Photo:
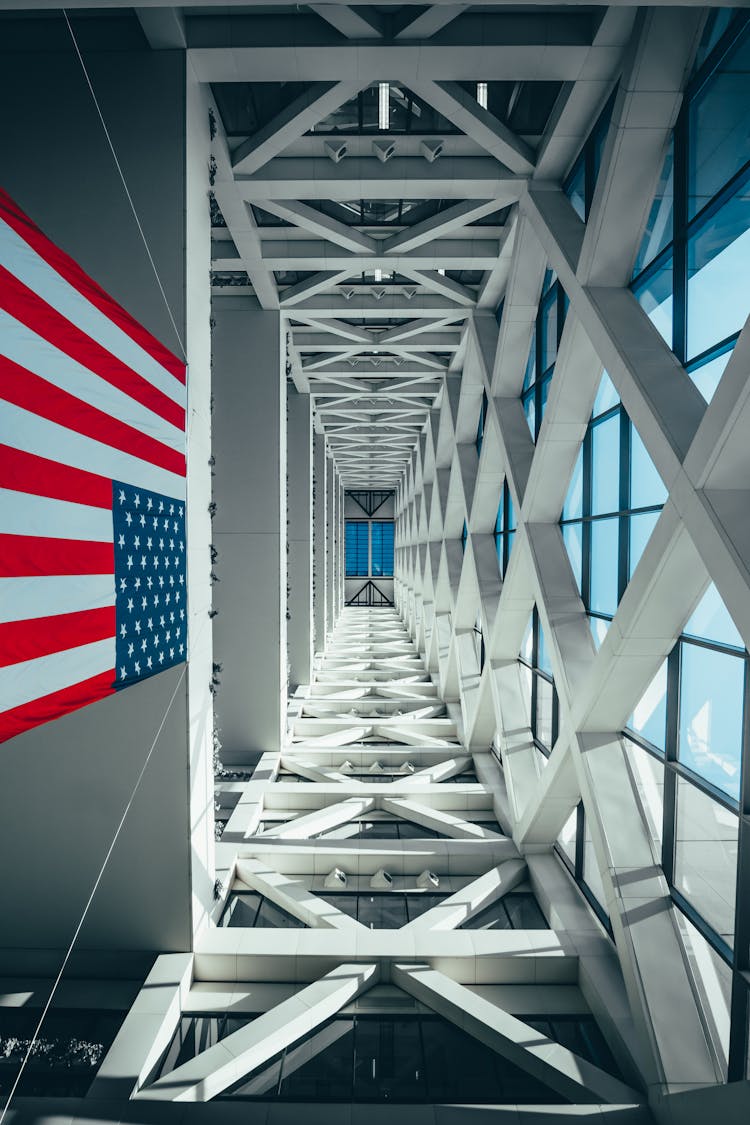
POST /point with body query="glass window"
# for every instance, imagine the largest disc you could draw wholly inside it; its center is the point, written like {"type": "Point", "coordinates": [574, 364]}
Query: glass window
{"type": "Point", "coordinates": [719, 127]}
{"type": "Point", "coordinates": [648, 772]}
{"type": "Point", "coordinates": [605, 466]}
{"type": "Point", "coordinates": [68, 1052]}
{"type": "Point", "coordinates": [567, 839]}
{"type": "Point", "coordinates": [718, 272]}
{"type": "Point", "coordinates": [573, 509]}
{"type": "Point", "coordinates": [649, 719]}
{"type": "Point", "coordinates": [654, 294]}
{"type": "Point", "coordinates": [382, 533]}
{"type": "Point", "coordinates": [591, 876]}
{"type": "Point", "coordinates": [572, 537]}
{"type": "Point", "coordinates": [646, 486]}
{"type": "Point", "coordinates": [706, 857]}
{"type": "Point", "coordinates": [641, 526]}
{"type": "Point", "coordinates": [603, 596]}
{"type": "Point", "coordinates": [606, 397]}
{"type": "Point", "coordinates": [658, 232]}
{"type": "Point", "coordinates": [357, 548]}
{"type": "Point", "coordinates": [711, 621]}
{"type": "Point", "coordinates": [711, 715]}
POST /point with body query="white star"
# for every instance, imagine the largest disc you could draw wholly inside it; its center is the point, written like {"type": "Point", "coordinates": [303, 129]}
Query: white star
{"type": "Point", "coordinates": [182, 579]}
{"type": "Point", "coordinates": [137, 626]}
{"type": "Point", "coordinates": [123, 631]}
{"type": "Point", "coordinates": [142, 520]}
{"type": "Point", "coordinates": [149, 504]}
{"type": "Point", "coordinates": [162, 621]}
{"type": "Point", "coordinates": [177, 631]}
{"type": "Point", "coordinates": [161, 657]}
{"type": "Point", "coordinates": [137, 500]}
{"type": "Point", "coordinates": [149, 663]}
{"type": "Point", "coordinates": [149, 541]}
{"type": "Point", "coordinates": [121, 541]}
{"type": "Point", "coordinates": [128, 518]}
{"type": "Point", "coordinates": [156, 561]}
{"type": "Point", "coordinates": [149, 581]}
{"type": "Point", "coordinates": [156, 522]}
{"type": "Point", "coordinates": [171, 580]}
{"type": "Point", "coordinates": [144, 642]}
{"type": "Point", "coordinates": [137, 542]}
{"type": "Point", "coordinates": [161, 544]}
{"type": "Point", "coordinates": [182, 546]}
{"type": "Point", "coordinates": [130, 605]}
{"type": "Point", "coordinates": [122, 497]}
{"type": "Point", "coordinates": [180, 511]}
{"type": "Point", "coordinates": [130, 649]}
{"type": "Point", "coordinates": [166, 523]}
{"type": "Point", "coordinates": [166, 561]}
{"type": "Point", "coordinates": [130, 562]}
{"type": "Point", "coordinates": [177, 594]}
{"type": "Point", "coordinates": [176, 525]}
{"type": "Point", "coordinates": [144, 602]}
{"type": "Point", "coordinates": [176, 561]}
{"type": "Point", "coordinates": [143, 561]}
{"type": "Point", "coordinates": [171, 509]}
{"type": "Point", "coordinates": [156, 599]}
{"type": "Point", "coordinates": [150, 623]}
{"type": "Point", "coordinates": [171, 654]}
{"type": "Point", "coordinates": [157, 640]}
{"type": "Point", "coordinates": [137, 583]}
{"type": "Point", "coordinates": [167, 596]}
{"type": "Point", "coordinates": [168, 636]}
{"type": "Point", "coordinates": [182, 648]}
{"type": "Point", "coordinates": [123, 584]}
{"type": "Point", "coordinates": [171, 617]}
{"type": "Point", "coordinates": [122, 673]}
{"type": "Point", "coordinates": [161, 505]}
{"type": "Point", "coordinates": [137, 668]}
{"type": "Point", "coordinates": [182, 615]}
{"type": "Point", "coordinates": [161, 581]}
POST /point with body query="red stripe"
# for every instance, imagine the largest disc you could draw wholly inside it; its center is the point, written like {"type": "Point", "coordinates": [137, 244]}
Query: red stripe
{"type": "Point", "coordinates": [28, 715]}
{"type": "Point", "coordinates": [25, 472]}
{"type": "Point", "coordinates": [46, 322]}
{"type": "Point", "coordinates": [29, 391]}
{"type": "Point", "coordinates": [24, 555]}
{"type": "Point", "coordinates": [40, 636]}
{"type": "Point", "coordinates": [75, 276]}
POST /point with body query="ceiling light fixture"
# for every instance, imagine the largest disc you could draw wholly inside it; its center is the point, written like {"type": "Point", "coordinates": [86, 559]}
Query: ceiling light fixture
{"type": "Point", "coordinates": [384, 105]}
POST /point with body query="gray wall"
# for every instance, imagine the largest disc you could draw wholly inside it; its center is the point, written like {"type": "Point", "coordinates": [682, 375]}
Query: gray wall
{"type": "Point", "coordinates": [64, 785]}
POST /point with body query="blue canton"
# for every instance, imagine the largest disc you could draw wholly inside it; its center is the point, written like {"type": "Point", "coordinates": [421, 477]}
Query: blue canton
{"type": "Point", "coordinates": [150, 582]}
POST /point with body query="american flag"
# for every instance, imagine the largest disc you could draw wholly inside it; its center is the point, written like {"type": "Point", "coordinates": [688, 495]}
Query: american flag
{"type": "Point", "coordinates": [92, 488]}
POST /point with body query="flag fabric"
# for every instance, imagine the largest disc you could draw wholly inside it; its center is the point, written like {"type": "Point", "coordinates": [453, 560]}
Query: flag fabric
{"type": "Point", "coordinates": [92, 488]}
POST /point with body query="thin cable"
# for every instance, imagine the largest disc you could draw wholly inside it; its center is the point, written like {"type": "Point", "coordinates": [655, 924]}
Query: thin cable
{"type": "Point", "coordinates": [127, 192]}
{"type": "Point", "coordinates": [86, 908]}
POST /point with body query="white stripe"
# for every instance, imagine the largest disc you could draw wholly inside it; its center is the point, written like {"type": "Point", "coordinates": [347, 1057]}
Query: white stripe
{"type": "Point", "coordinates": [20, 344]}
{"type": "Point", "coordinates": [32, 434]}
{"type": "Point", "coordinates": [32, 679]}
{"type": "Point", "coordinates": [23, 513]}
{"type": "Point", "coordinates": [50, 595]}
{"type": "Point", "coordinates": [25, 264]}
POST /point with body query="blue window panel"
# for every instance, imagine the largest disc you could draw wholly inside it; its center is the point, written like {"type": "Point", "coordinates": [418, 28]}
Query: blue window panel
{"type": "Point", "coordinates": [606, 397]}
{"type": "Point", "coordinates": [573, 507]}
{"type": "Point", "coordinates": [382, 549]}
{"type": "Point", "coordinates": [604, 543]}
{"type": "Point", "coordinates": [572, 533]}
{"type": "Point", "coordinates": [718, 288]}
{"type": "Point", "coordinates": [599, 627]}
{"type": "Point", "coordinates": [711, 713]}
{"type": "Point", "coordinates": [641, 526]}
{"type": "Point", "coordinates": [529, 377]}
{"type": "Point", "coordinates": [649, 719]}
{"type": "Point", "coordinates": [706, 375]}
{"type": "Point", "coordinates": [646, 486]}
{"type": "Point", "coordinates": [605, 466]}
{"type": "Point", "coordinates": [543, 396]}
{"type": "Point", "coordinates": [716, 24]}
{"type": "Point", "coordinates": [654, 294]}
{"type": "Point", "coordinates": [660, 225]}
{"type": "Point", "coordinates": [549, 331]}
{"type": "Point", "coordinates": [719, 127]}
{"type": "Point", "coordinates": [575, 188]}
{"type": "Point", "coordinates": [357, 548]}
{"type": "Point", "coordinates": [711, 621]}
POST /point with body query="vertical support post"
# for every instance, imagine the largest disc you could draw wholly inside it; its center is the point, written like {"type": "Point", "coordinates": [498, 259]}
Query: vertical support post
{"type": "Point", "coordinates": [250, 527]}
{"type": "Point", "coordinates": [299, 537]}
{"type": "Point", "coordinates": [340, 545]}
{"type": "Point", "coordinates": [320, 469]}
{"type": "Point", "coordinates": [331, 489]}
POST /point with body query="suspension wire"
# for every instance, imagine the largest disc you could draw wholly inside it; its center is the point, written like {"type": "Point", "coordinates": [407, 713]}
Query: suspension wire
{"type": "Point", "coordinates": [125, 188]}
{"type": "Point", "coordinates": [89, 901]}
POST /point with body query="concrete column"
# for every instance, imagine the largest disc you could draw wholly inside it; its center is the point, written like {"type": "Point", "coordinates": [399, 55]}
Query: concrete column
{"type": "Point", "coordinates": [299, 538]}
{"type": "Point", "coordinates": [331, 490]}
{"type": "Point", "coordinates": [250, 527]}
{"type": "Point", "coordinates": [320, 467]}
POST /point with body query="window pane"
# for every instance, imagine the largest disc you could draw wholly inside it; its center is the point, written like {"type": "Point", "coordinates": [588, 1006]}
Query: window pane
{"type": "Point", "coordinates": [707, 376]}
{"type": "Point", "coordinates": [641, 526]}
{"type": "Point", "coordinates": [529, 409]}
{"type": "Point", "coordinates": [720, 127]}
{"type": "Point", "coordinates": [572, 538]}
{"type": "Point", "coordinates": [599, 628]}
{"type": "Point", "coordinates": [711, 621]}
{"type": "Point", "coordinates": [711, 709]}
{"type": "Point", "coordinates": [648, 772]}
{"type": "Point", "coordinates": [320, 1067]}
{"type": "Point", "coordinates": [575, 189]}
{"type": "Point", "coordinates": [649, 719]}
{"type": "Point", "coordinates": [658, 232]}
{"type": "Point", "coordinates": [549, 331]}
{"type": "Point", "coordinates": [655, 297]}
{"type": "Point", "coordinates": [591, 875]}
{"type": "Point", "coordinates": [718, 294]}
{"type": "Point", "coordinates": [604, 543]}
{"type": "Point", "coordinates": [544, 711]}
{"type": "Point", "coordinates": [706, 857]}
{"type": "Point", "coordinates": [357, 548]}
{"type": "Point", "coordinates": [567, 838]}
{"type": "Point", "coordinates": [542, 656]}
{"type": "Point", "coordinates": [646, 486]}
{"type": "Point", "coordinates": [382, 548]}
{"type": "Point", "coordinates": [605, 466]}
{"type": "Point", "coordinates": [573, 508]}
{"type": "Point", "coordinates": [606, 396]}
